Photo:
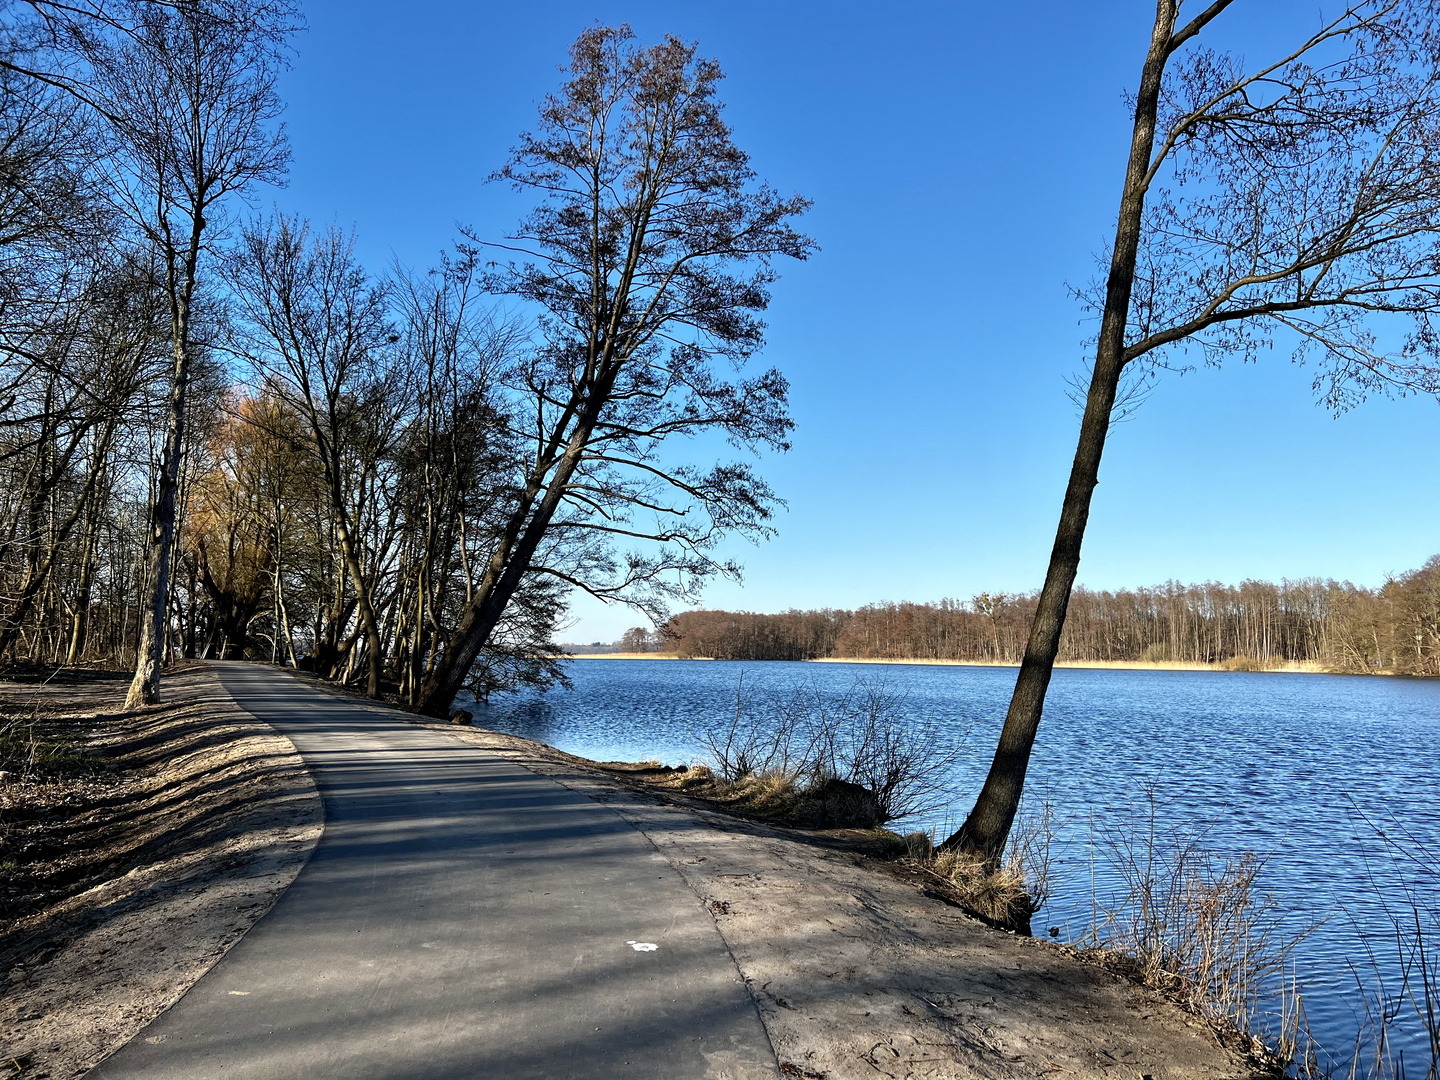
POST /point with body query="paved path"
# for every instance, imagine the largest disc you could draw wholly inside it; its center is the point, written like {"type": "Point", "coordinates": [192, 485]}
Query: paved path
{"type": "Point", "coordinates": [461, 917]}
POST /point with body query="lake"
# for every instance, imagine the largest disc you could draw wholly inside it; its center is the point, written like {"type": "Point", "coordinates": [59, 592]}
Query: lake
{"type": "Point", "coordinates": [1302, 769]}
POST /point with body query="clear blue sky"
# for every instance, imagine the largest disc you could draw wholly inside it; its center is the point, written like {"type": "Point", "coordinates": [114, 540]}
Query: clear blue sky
{"type": "Point", "coordinates": [965, 161]}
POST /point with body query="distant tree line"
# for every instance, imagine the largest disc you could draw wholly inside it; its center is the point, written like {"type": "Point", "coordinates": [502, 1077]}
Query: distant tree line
{"type": "Point", "coordinates": [1336, 625]}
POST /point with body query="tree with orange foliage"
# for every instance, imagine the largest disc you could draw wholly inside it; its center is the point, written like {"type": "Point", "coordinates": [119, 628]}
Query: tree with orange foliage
{"type": "Point", "coordinates": [239, 513]}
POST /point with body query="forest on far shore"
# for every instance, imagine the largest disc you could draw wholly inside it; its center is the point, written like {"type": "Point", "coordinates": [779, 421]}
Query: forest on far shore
{"type": "Point", "coordinates": [1343, 627]}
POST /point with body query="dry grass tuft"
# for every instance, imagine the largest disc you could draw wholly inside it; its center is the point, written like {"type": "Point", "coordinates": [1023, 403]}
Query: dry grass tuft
{"type": "Point", "coordinates": [1243, 663]}
{"type": "Point", "coordinates": [1006, 896]}
{"type": "Point", "coordinates": [998, 897]}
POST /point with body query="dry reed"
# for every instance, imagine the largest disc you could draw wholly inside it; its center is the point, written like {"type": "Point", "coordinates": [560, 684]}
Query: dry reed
{"type": "Point", "coordinates": [1198, 928]}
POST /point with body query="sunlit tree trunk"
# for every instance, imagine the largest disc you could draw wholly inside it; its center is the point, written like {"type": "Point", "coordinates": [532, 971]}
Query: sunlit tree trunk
{"type": "Point", "coordinates": [145, 686]}
{"type": "Point", "coordinates": [986, 830]}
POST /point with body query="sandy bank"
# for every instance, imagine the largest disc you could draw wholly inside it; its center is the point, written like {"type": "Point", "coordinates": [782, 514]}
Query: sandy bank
{"type": "Point", "coordinates": [858, 971]}
{"type": "Point", "coordinates": [126, 882]}
{"type": "Point", "coordinates": [855, 970]}
{"type": "Point", "coordinates": [1095, 665]}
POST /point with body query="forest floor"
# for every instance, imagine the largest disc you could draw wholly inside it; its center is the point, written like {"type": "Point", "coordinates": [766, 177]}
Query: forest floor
{"type": "Point", "coordinates": [135, 849]}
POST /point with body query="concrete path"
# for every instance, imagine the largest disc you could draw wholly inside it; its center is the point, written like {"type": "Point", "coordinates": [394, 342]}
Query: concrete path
{"type": "Point", "coordinates": [461, 917]}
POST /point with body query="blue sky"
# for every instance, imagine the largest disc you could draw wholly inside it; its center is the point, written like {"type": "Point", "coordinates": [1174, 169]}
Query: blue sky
{"type": "Point", "coordinates": [965, 161]}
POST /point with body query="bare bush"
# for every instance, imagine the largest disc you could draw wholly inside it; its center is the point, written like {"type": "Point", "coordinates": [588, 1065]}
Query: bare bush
{"type": "Point", "coordinates": [762, 738]}
{"type": "Point", "coordinates": [1408, 1000]}
{"type": "Point", "coordinates": [863, 738]}
{"type": "Point", "coordinates": [1198, 927]}
{"type": "Point", "coordinates": [866, 739]}
{"type": "Point", "coordinates": [1027, 855]}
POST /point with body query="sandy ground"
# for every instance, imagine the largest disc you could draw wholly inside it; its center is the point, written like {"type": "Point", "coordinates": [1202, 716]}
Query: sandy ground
{"type": "Point", "coordinates": [126, 886]}
{"type": "Point", "coordinates": [858, 973]}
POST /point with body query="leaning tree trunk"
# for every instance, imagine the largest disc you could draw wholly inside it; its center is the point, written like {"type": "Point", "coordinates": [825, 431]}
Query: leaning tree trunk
{"type": "Point", "coordinates": [508, 567]}
{"type": "Point", "coordinates": [145, 687]}
{"type": "Point", "coordinates": [987, 829]}
{"type": "Point", "coordinates": [149, 651]}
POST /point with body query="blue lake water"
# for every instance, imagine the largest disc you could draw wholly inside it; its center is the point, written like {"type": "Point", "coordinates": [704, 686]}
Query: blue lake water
{"type": "Point", "coordinates": [1301, 769]}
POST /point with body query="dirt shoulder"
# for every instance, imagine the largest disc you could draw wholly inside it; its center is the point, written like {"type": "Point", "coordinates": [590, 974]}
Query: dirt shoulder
{"type": "Point", "coordinates": [135, 849]}
{"type": "Point", "coordinates": [857, 972]}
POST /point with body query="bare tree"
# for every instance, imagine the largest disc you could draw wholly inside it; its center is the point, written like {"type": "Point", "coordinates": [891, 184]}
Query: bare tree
{"type": "Point", "coordinates": [79, 391]}
{"type": "Point", "coordinates": [315, 326]}
{"type": "Point", "coordinates": [188, 93]}
{"type": "Point", "coordinates": [457, 486]}
{"type": "Point", "coordinates": [649, 259]}
{"type": "Point", "coordinates": [1297, 197]}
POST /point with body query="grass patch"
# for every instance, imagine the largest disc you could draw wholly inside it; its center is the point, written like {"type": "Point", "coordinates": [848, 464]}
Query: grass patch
{"type": "Point", "coordinates": [1000, 897]}
{"type": "Point", "coordinates": [37, 747]}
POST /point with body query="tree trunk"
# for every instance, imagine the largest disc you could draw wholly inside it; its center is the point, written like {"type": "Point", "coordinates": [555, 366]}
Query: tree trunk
{"type": "Point", "coordinates": [987, 829]}
{"type": "Point", "coordinates": [191, 610]}
{"type": "Point", "coordinates": [39, 572]}
{"type": "Point", "coordinates": [362, 596]}
{"type": "Point", "coordinates": [81, 622]}
{"type": "Point", "coordinates": [282, 616]}
{"type": "Point", "coordinates": [508, 568]}
{"type": "Point", "coordinates": [149, 651]}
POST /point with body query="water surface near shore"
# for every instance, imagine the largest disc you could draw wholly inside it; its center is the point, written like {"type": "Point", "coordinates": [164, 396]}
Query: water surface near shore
{"type": "Point", "coordinates": [1300, 768]}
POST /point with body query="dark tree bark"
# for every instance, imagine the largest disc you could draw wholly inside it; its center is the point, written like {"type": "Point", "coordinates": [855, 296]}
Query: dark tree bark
{"type": "Point", "coordinates": [145, 686]}
{"type": "Point", "coordinates": [1322, 209]}
{"type": "Point", "coordinates": [651, 257]}
{"type": "Point", "coordinates": [988, 826]}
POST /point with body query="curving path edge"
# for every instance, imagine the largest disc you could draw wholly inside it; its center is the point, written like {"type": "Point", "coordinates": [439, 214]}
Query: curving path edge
{"type": "Point", "coordinates": [460, 917]}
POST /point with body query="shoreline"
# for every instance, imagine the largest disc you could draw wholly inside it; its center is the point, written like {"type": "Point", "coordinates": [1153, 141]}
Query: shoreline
{"type": "Point", "coordinates": [856, 966]}
{"type": "Point", "coordinates": [1288, 668]}
{"type": "Point", "coordinates": [860, 968]}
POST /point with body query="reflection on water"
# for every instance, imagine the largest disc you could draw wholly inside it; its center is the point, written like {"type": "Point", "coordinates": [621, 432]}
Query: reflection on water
{"type": "Point", "coordinates": [1300, 768]}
